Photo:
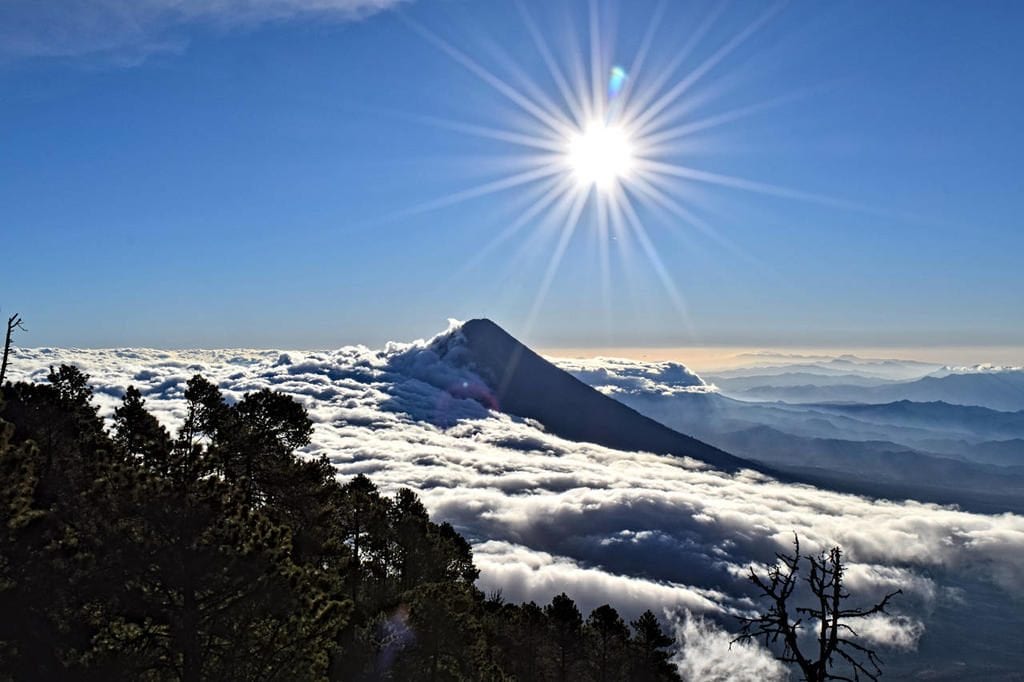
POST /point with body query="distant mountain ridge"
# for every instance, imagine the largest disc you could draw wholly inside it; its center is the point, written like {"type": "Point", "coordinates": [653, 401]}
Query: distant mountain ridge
{"type": "Point", "coordinates": [884, 369]}
{"type": "Point", "coordinates": [787, 379]}
{"type": "Point", "coordinates": [998, 390]}
{"type": "Point", "coordinates": [932, 451]}
{"type": "Point", "coordinates": [969, 418]}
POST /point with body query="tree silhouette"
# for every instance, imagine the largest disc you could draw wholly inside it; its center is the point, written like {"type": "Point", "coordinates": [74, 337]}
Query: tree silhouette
{"type": "Point", "coordinates": [835, 642]}
{"type": "Point", "coordinates": [566, 624]}
{"type": "Point", "coordinates": [13, 322]}
{"type": "Point", "coordinates": [651, 658]}
{"type": "Point", "coordinates": [607, 635]}
{"type": "Point", "coordinates": [139, 434]}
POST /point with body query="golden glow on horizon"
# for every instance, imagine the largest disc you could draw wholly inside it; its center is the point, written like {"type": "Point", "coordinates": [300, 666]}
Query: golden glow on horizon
{"type": "Point", "coordinates": [718, 358]}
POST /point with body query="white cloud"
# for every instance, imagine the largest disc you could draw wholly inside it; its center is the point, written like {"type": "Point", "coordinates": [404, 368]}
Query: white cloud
{"type": "Point", "coordinates": [545, 515]}
{"type": "Point", "coordinates": [618, 376]}
{"type": "Point", "coordinates": [521, 574]}
{"type": "Point", "coordinates": [128, 31]}
{"type": "Point", "coordinates": [708, 654]}
{"type": "Point", "coordinates": [892, 632]}
{"type": "Point", "coordinates": [984, 368]}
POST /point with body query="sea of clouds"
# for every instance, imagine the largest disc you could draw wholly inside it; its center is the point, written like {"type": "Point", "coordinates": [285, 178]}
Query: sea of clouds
{"type": "Point", "coordinates": [547, 515]}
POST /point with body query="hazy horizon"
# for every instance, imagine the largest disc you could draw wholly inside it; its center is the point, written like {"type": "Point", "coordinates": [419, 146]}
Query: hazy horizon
{"type": "Point", "coordinates": [725, 357]}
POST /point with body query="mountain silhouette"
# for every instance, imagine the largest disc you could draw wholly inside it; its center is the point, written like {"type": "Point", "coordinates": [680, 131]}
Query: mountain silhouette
{"type": "Point", "coordinates": [527, 385]}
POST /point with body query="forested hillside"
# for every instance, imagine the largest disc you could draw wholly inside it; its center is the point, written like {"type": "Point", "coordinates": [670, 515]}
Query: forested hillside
{"type": "Point", "coordinates": [219, 553]}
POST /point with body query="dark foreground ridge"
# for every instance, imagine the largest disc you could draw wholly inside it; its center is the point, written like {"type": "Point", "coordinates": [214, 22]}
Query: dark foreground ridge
{"type": "Point", "coordinates": [527, 385]}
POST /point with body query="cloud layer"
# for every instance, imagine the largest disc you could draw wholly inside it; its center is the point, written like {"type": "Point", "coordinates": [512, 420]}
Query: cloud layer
{"type": "Point", "coordinates": [545, 515]}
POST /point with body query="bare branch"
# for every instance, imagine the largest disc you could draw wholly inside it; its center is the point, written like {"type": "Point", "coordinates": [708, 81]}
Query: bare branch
{"type": "Point", "coordinates": [824, 580]}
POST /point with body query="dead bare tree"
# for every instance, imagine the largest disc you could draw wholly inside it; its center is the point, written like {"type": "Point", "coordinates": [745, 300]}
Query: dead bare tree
{"type": "Point", "coordinates": [13, 322]}
{"type": "Point", "coordinates": [835, 641]}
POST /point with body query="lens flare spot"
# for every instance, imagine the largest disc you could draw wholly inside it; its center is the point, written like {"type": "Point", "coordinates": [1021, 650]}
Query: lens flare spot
{"type": "Point", "coordinates": [615, 82]}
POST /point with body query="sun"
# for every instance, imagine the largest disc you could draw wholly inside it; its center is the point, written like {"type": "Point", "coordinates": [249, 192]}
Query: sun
{"type": "Point", "coordinates": [600, 156]}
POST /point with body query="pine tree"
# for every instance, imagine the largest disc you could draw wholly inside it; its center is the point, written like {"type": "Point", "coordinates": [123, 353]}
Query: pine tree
{"type": "Point", "coordinates": [448, 639]}
{"type": "Point", "coordinates": [651, 661]}
{"type": "Point", "coordinates": [138, 433]}
{"type": "Point", "coordinates": [607, 639]}
{"type": "Point", "coordinates": [566, 623]}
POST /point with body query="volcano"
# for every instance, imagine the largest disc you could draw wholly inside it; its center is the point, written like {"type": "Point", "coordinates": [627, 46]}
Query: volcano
{"type": "Point", "coordinates": [527, 385]}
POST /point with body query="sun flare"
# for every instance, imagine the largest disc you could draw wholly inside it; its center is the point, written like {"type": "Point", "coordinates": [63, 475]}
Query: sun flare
{"type": "Point", "coordinates": [600, 155]}
{"type": "Point", "coordinates": [600, 143]}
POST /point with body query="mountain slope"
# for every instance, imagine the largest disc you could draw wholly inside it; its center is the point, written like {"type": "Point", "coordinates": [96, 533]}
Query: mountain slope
{"type": "Point", "coordinates": [527, 385]}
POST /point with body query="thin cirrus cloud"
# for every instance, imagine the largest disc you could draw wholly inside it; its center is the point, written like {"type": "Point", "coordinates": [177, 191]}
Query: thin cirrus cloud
{"type": "Point", "coordinates": [546, 515]}
{"type": "Point", "coordinates": [126, 32]}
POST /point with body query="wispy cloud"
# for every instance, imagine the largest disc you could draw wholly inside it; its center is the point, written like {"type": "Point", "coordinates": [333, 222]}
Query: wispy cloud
{"type": "Point", "coordinates": [126, 32]}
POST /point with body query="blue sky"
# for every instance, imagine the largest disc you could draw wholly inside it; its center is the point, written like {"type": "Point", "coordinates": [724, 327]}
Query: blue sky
{"type": "Point", "coordinates": [204, 176]}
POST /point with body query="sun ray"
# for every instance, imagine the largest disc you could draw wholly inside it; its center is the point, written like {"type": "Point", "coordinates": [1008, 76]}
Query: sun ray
{"type": "Point", "coordinates": [643, 184]}
{"type": "Point", "coordinates": [596, 62]}
{"type": "Point", "coordinates": [493, 187]}
{"type": "Point", "coordinates": [633, 220]}
{"type": "Point", "coordinates": [554, 188]}
{"type": "Point", "coordinates": [624, 247]}
{"type": "Point", "coordinates": [705, 67]}
{"type": "Point", "coordinates": [734, 182]}
{"type": "Point", "coordinates": [648, 187]}
{"type": "Point", "coordinates": [552, 144]}
{"type": "Point", "coordinates": [573, 104]}
{"type": "Point", "coordinates": [537, 239]}
{"type": "Point", "coordinates": [529, 85]}
{"type": "Point", "coordinates": [546, 225]}
{"type": "Point", "coordinates": [636, 66]}
{"type": "Point", "coordinates": [601, 204]}
{"type": "Point", "coordinates": [556, 258]}
{"type": "Point", "coordinates": [579, 72]}
{"type": "Point", "coordinates": [714, 121]}
{"type": "Point", "coordinates": [558, 126]}
{"type": "Point", "coordinates": [665, 74]}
